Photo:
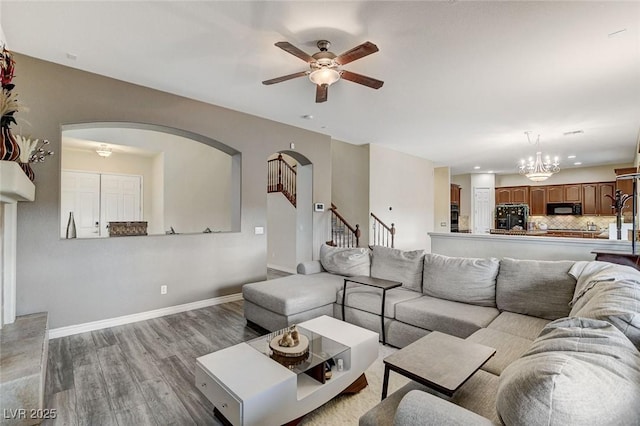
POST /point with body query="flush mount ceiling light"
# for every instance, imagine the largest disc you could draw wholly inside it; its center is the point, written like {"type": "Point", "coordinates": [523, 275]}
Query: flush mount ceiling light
{"type": "Point", "coordinates": [324, 67]}
{"type": "Point", "coordinates": [536, 169]}
{"type": "Point", "coordinates": [103, 151]}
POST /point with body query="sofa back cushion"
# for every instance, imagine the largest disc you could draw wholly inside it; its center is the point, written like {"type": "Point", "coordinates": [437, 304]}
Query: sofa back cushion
{"type": "Point", "coordinates": [540, 288]}
{"type": "Point", "coordinates": [578, 371]}
{"type": "Point", "coordinates": [460, 279]}
{"type": "Point", "coordinates": [398, 265]}
{"type": "Point", "coordinates": [345, 260]}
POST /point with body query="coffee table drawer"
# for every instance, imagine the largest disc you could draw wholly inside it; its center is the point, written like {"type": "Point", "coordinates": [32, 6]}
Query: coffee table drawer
{"type": "Point", "coordinates": [226, 403]}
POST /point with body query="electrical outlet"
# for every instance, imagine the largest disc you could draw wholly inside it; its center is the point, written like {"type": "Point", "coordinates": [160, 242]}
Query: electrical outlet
{"type": "Point", "coordinates": [163, 289]}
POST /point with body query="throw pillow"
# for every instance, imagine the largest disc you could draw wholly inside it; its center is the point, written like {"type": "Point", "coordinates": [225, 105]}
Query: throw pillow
{"type": "Point", "coordinates": [461, 279]}
{"type": "Point", "coordinates": [398, 265]}
{"type": "Point", "coordinates": [345, 261]}
{"type": "Point", "coordinates": [579, 372]}
{"type": "Point", "coordinates": [540, 288]}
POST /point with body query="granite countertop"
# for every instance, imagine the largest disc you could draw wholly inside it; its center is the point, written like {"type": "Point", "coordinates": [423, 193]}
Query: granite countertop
{"type": "Point", "coordinates": [549, 232]}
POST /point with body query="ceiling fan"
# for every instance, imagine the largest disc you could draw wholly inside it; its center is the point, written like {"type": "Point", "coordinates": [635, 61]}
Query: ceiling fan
{"type": "Point", "coordinates": [324, 67]}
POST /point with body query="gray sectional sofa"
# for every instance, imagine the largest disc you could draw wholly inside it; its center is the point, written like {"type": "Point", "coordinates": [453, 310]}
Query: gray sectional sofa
{"type": "Point", "coordinates": [566, 334]}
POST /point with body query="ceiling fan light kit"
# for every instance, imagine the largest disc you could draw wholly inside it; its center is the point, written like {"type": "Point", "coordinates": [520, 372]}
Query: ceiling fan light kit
{"type": "Point", "coordinates": [324, 67]}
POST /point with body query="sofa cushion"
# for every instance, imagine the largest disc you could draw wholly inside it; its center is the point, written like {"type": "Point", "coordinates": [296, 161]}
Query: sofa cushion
{"type": "Point", "coordinates": [461, 279]}
{"type": "Point", "coordinates": [345, 260]}
{"type": "Point", "coordinates": [611, 293]}
{"type": "Point", "coordinates": [295, 293]}
{"type": "Point", "coordinates": [508, 348]}
{"type": "Point", "coordinates": [617, 302]}
{"type": "Point", "coordinates": [369, 299]}
{"type": "Point", "coordinates": [520, 325]}
{"type": "Point", "coordinates": [411, 412]}
{"type": "Point", "coordinates": [540, 288]}
{"type": "Point", "coordinates": [398, 265]}
{"type": "Point", "coordinates": [457, 319]}
{"type": "Point", "coordinates": [579, 371]}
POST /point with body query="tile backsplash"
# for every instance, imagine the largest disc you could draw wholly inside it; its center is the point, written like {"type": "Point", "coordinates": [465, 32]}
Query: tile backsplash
{"type": "Point", "coordinates": [573, 222]}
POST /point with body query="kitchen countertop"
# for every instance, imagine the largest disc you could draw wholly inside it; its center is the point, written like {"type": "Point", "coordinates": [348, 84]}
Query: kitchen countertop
{"type": "Point", "coordinates": [551, 232]}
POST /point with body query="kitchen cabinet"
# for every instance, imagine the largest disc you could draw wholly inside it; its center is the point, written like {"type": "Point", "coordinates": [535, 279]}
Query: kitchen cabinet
{"type": "Point", "coordinates": [604, 202]}
{"type": "Point", "coordinates": [455, 194]}
{"type": "Point", "coordinates": [555, 194]}
{"type": "Point", "coordinates": [538, 201]}
{"type": "Point", "coordinates": [590, 198]}
{"type": "Point", "coordinates": [625, 185]}
{"type": "Point", "coordinates": [573, 193]}
{"type": "Point", "coordinates": [512, 194]}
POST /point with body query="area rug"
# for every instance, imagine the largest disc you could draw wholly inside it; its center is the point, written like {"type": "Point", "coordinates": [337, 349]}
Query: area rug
{"type": "Point", "coordinates": [347, 409]}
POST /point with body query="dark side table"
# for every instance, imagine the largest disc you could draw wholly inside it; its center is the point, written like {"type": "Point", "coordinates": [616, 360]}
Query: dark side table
{"type": "Point", "coordinates": [440, 361]}
{"type": "Point", "coordinates": [372, 282]}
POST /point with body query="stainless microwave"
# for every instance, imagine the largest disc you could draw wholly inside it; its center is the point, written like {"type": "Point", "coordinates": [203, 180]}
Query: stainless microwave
{"type": "Point", "coordinates": [574, 209]}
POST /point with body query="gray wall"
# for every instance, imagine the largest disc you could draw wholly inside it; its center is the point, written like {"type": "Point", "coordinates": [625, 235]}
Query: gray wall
{"type": "Point", "coordinates": [87, 280]}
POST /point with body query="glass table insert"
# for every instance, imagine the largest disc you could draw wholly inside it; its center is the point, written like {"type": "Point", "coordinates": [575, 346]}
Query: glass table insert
{"type": "Point", "coordinates": [321, 350]}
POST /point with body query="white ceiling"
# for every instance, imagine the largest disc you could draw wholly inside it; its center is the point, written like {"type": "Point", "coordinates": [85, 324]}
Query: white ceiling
{"type": "Point", "coordinates": [463, 80]}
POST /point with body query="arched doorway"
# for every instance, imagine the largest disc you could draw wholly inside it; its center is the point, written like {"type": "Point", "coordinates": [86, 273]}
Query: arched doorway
{"type": "Point", "coordinates": [289, 210]}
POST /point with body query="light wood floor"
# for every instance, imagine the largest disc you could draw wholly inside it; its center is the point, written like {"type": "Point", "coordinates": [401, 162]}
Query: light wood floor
{"type": "Point", "coordinates": [141, 373]}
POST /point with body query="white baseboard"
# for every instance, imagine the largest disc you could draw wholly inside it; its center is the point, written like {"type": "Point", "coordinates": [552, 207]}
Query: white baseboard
{"type": "Point", "coordinates": [282, 268]}
{"type": "Point", "coordinates": [141, 316]}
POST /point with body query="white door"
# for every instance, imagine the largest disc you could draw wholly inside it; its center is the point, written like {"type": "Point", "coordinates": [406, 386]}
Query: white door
{"type": "Point", "coordinates": [120, 200]}
{"type": "Point", "coordinates": [482, 211]}
{"type": "Point", "coordinates": [80, 195]}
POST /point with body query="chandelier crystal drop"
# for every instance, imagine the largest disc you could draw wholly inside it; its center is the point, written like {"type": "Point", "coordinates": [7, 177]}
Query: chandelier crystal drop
{"type": "Point", "coordinates": [536, 169]}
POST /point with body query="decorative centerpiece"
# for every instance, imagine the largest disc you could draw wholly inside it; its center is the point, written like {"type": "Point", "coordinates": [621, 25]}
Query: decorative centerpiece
{"type": "Point", "coordinates": [9, 149]}
{"type": "Point", "coordinates": [290, 348]}
{"type": "Point", "coordinates": [15, 147]}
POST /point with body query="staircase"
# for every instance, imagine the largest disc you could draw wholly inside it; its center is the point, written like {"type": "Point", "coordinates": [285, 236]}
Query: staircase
{"type": "Point", "coordinates": [342, 233]}
{"type": "Point", "coordinates": [281, 177]}
{"type": "Point", "coordinates": [383, 235]}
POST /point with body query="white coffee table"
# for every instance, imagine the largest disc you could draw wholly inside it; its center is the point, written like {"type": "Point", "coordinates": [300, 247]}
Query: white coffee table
{"type": "Point", "coordinates": [247, 387]}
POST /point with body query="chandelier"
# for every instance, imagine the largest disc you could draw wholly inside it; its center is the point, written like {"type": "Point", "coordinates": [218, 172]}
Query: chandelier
{"type": "Point", "coordinates": [536, 169]}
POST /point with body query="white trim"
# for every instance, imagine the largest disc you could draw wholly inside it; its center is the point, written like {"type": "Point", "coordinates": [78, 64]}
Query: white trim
{"type": "Point", "coordinates": [140, 316]}
{"type": "Point", "coordinates": [282, 268]}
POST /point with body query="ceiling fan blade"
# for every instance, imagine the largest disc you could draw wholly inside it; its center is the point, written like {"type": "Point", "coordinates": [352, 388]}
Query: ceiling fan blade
{"type": "Point", "coordinates": [285, 78]}
{"type": "Point", "coordinates": [362, 79]}
{"type": "Point", "coordinates": [357, 52]}
{"type": "Point", "coordinates": [290, 48]}
{"type": "Point", "coordinates": [321, 93]}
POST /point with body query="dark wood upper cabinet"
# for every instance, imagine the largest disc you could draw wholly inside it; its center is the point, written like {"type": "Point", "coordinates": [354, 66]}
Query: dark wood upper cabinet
{"type": "Point", "coordinates": [520, 194]}
{"type": "Point", "coordinates": [573, 193]}
{"type": "Point", "coordinates": [590, 198]}
{"type": "Point", "coordinates": [503, 195]}
{"type": "Point", "coordinates": [538, 201]}
{"type": "Point", "coordinates": [625, 185]}
{"type": "Point", "coordinates": [512, 194]}
{"type": "Point", "coordinates": [455, 194]}
{"type": "Point", "coordinates": [555, 194]}
{"type": "Point", "coordinates": [604, 202]}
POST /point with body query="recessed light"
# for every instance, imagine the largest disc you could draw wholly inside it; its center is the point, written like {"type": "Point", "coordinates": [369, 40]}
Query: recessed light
{"type": "Point", "coordinates": [72, 56]}
{"type": "Point", "coordinates": [476, 167]}
{"type": "Point", "coordinates": [577, 163]}
{"type": "Point", "coordinates": [490, 171]}
{"type": "Point", "coordinates": [307, 116]}
{"type": "Point", "coordinates": [571, 156]}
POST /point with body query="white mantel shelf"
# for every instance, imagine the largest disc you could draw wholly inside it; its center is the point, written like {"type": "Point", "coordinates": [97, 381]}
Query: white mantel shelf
{"type": "Point", "coordinates": [15, 186]}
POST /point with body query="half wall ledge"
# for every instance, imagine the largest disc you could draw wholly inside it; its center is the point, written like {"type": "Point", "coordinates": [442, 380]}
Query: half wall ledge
{"type": "Point", "coordinates": [522, 247]}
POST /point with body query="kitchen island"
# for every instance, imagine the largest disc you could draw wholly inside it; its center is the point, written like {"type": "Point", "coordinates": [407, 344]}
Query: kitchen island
{"type": "Point", "coordinates": [523, 246]}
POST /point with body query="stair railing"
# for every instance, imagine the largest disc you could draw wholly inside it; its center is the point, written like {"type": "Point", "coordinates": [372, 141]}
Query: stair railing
{"type": "Point", "coordinates": [383, 235]}
{"type": "Point", "coordinates": [342, 233]}
{"type": "Point", "coordinates": [281, 177]}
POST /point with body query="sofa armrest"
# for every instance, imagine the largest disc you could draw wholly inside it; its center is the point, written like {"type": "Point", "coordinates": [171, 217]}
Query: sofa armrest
{"type": "Point", "coordinates": [419, 408]}
{"type": "Point", "coordinates": [310, 267]}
